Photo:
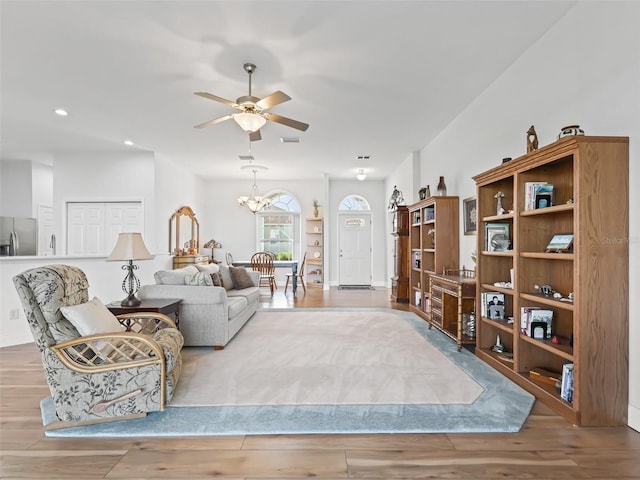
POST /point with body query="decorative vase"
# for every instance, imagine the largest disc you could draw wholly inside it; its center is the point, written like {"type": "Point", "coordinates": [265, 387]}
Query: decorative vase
{"type": "Point", "coordinates": [428, 192]}
{"type": "Point", "coordinates": [315, 211]}
{"type": "Point", "coordinates": [442, 187]}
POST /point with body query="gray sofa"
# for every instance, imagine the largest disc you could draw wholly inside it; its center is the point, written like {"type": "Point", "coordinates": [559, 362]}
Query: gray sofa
{"type": "Point", "coordinates": [210, 315]}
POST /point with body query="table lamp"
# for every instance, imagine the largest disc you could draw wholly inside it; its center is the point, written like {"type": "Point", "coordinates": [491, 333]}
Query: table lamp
{"type": "Point", "coordinates": [130, 247]}
{"type": "Point", "coordinates": [212, 244]}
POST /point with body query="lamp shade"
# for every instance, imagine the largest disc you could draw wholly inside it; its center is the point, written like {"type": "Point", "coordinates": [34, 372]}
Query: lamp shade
{"type": "Point", "coordinates": [129, 246]}
{"type": "Point", "coordinates": [249, 122]}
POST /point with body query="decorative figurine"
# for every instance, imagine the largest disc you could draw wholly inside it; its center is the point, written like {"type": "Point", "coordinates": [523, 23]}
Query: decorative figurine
{"type": "Point", "coordinates": [499, 196]}
{"type": "Point", "coordinates": [396, 198]}
{"type": "Point", "coordinates": [498, 347]}
{"type": "Point", "coordinates": [532, 139]}
{"type": "Point", "coordinates": [545, 290]}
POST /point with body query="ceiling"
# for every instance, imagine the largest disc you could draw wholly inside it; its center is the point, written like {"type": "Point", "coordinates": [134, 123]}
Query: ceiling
{"type": "Point", "coordinates": [378, 79]}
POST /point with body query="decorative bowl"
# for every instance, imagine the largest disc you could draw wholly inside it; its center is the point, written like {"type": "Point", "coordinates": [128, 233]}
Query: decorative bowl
{"type": "Point", "coordinates": [570, 130]}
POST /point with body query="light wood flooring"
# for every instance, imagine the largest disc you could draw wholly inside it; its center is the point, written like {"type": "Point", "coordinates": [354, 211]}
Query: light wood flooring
{"type": "Point", "coordinates": [547, 448]}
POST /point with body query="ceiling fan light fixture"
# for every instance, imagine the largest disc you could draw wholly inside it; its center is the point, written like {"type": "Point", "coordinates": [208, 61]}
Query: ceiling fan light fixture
{"type": "Point", "coordinates": [361, 175]}
{"type": "Point", "coordinates": [249, 122]}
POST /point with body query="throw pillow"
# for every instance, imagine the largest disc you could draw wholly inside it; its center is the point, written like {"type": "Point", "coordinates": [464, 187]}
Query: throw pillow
{"type": "Point", "coordinates": [169, 277]}
{"type": "Point", "coordinates": [91, 318]}
{"type": "Point", "coordinates": [210, 268]}
{"type": "Point", "coordinates": [198, 279]}
{"type": "Point", "coordinates": [240, 277]}
{"type": "Point", "coordinates": [225, 277]}
{"type": "Point", "coordinates": [215, 278]}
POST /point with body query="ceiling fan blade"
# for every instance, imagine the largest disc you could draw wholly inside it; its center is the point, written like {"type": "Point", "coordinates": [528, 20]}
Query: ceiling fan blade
{"type": "Point", "coordinates": [275, 98]}
{"type": "Point", "coordinates": [216, 98]}
{"type": "Point", "coordinates": [274, 117]}
{"type": "Point", "coordinates": [214, 121]}
{"type": "Point", "coordinates": [255, 136]}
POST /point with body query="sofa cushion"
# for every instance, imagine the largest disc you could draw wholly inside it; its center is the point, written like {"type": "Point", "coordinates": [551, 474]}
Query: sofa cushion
{"type": "Point", "coordinates": [198, 279]}
{"type": "Point", "coordinates": [215, 278]}
{"type": "Point", "coordinates": [174, 277]}
{"type": "Point", "coordinates": [210, 268]}
{"type": "Point", "coordinates": [225, 278]}
{"type": "Point", "coordinates": [251, 294]}
{"type": "Point", "coordinates": [235, 306]}
{"type": "Point", "coordinates": [240, 277]}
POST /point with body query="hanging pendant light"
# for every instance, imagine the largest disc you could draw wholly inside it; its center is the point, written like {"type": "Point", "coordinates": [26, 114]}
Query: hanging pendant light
{"type": "Point", "coordinates": [255, 201]}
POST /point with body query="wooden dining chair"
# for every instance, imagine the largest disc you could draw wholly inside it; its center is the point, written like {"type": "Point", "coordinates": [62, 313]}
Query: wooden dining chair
{"type": "Point", "coordinates": [300, 275]}
{"type": "Point", "coordinates": [262, 262]}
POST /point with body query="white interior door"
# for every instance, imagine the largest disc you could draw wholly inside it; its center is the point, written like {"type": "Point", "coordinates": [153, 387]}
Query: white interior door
{"type": "Point", "coordinates": [354, 249]}
{"type": "Point", "coordinates": [46, 242]}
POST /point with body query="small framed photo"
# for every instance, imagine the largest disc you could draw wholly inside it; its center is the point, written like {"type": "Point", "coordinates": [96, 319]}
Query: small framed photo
{"type": "Point", "coordinates": [470, 212]}
{"type": "Point", "coordinates": [560, 244]}
{"type": "Point", "coordinates": [497, 237]}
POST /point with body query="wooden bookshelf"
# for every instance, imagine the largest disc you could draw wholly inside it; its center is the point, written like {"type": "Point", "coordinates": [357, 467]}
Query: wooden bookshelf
{"type": "Point", "coordinates": [590, 178]}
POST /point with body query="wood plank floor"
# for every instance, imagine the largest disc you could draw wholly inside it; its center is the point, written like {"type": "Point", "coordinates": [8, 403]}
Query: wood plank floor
{"type": "Point", "coordinates": [547, 448]}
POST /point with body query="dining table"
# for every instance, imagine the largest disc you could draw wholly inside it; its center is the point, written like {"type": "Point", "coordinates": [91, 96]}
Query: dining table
{"type": "Point", "coordinates": [292, 264]}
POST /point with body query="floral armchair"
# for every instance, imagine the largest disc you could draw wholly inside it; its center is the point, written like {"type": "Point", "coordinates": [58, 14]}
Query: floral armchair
{"type": "Point", "coordinates": [105, 376]}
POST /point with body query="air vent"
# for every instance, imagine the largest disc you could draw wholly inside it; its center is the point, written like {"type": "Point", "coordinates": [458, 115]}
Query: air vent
{"type": "Point", "coordinates": [246, 158]}
{"type": "Point", "coordinates": [290, 139]}
{"type": "Point", "coordinates": [363, 157]}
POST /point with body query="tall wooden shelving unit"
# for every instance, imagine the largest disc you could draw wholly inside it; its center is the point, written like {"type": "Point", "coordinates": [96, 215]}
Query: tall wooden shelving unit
{"type": "Point", "coordinates": [590, 176]}
{"type": "Point", "coordinates": [434, 246]}
{"type": "Point", "coordinates": [314, 269]}
{"type": "Point", "coordinates": [400, 233]}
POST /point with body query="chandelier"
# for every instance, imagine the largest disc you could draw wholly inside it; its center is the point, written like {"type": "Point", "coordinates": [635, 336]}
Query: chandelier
{"type": "Point", "coordinates": [255, 201]}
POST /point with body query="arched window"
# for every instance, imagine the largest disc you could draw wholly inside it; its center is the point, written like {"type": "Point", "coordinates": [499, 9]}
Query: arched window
{"type": "Point", "coordinates": [354, 202]}
{"type": "Point", "coordinates": [279, 226]}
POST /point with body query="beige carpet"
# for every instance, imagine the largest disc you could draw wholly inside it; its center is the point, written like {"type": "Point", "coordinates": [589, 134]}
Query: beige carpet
{"type": "Point", "coordinates": [323, 358]}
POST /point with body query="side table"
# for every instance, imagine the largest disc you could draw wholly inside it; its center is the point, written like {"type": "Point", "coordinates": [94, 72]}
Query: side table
{"type": "Point", "coordinates": [166, 306]}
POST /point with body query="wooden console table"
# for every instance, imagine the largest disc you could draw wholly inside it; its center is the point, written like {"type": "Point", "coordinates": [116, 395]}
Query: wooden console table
{"type": "Point", "coordinates": [452, 302]}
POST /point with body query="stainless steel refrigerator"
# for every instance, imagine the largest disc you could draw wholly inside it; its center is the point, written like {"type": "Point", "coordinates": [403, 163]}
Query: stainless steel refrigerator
{"type": "Point", "coordinates": [18, 236]}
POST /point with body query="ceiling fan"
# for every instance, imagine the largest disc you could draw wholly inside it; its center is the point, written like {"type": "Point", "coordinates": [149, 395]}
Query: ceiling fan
{"type": "Point", "coordinates": [252, 114]}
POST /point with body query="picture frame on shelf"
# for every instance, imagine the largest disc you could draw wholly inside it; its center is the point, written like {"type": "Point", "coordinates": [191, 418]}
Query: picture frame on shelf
{"type": "Point", "coordinates": [561, 243]}
{"type": "Point", "coordinates": [470, 213]}
{"type": "Point", "coordinates": [497, 237]}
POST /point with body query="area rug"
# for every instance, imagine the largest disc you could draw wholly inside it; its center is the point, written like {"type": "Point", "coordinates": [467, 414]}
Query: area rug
{"type": "Point", "coordinates": [329, 371]}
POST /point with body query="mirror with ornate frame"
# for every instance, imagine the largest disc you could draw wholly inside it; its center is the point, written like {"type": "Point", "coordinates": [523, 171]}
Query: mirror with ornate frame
{"type": "Point", "coordinates": [184, 232]}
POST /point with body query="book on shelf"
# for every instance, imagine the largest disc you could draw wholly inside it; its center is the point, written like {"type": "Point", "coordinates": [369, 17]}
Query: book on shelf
{"type": "Point", "coordinates": [566, 388]}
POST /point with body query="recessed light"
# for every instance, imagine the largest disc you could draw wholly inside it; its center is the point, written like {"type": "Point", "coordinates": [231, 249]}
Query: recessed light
{"type": "Point", "coordinates": [61, 111]}
{"type": "Point", "coordinates": [128, 143]}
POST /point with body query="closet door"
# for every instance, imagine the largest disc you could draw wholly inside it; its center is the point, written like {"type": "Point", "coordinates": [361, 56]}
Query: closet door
{"type": "Point", "coordinates": [93, 227]}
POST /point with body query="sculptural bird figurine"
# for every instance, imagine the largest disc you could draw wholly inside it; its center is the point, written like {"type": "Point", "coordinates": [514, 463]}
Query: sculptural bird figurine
{"type": "Point", "coordinates": [532, 139]}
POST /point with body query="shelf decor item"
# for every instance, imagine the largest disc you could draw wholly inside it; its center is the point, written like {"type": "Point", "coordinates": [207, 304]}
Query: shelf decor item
{"type": "Point", "coordinates": [532, 139]}
{"type": "Point", "coordinates": [570, 130]}
{"type": "Point", "coordinates": [442, 188]}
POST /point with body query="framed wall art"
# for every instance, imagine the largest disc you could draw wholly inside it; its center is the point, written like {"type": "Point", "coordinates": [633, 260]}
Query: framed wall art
{"type": "Point", "coordinates": [470, 213]}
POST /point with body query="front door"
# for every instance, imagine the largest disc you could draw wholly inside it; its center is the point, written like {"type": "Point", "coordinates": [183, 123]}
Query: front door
{"type": "Point", "coordinates": [354, 257]}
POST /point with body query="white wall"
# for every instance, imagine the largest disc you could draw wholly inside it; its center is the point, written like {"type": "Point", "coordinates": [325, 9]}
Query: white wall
{"type": "Point", "coordinates": [585, 70]}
